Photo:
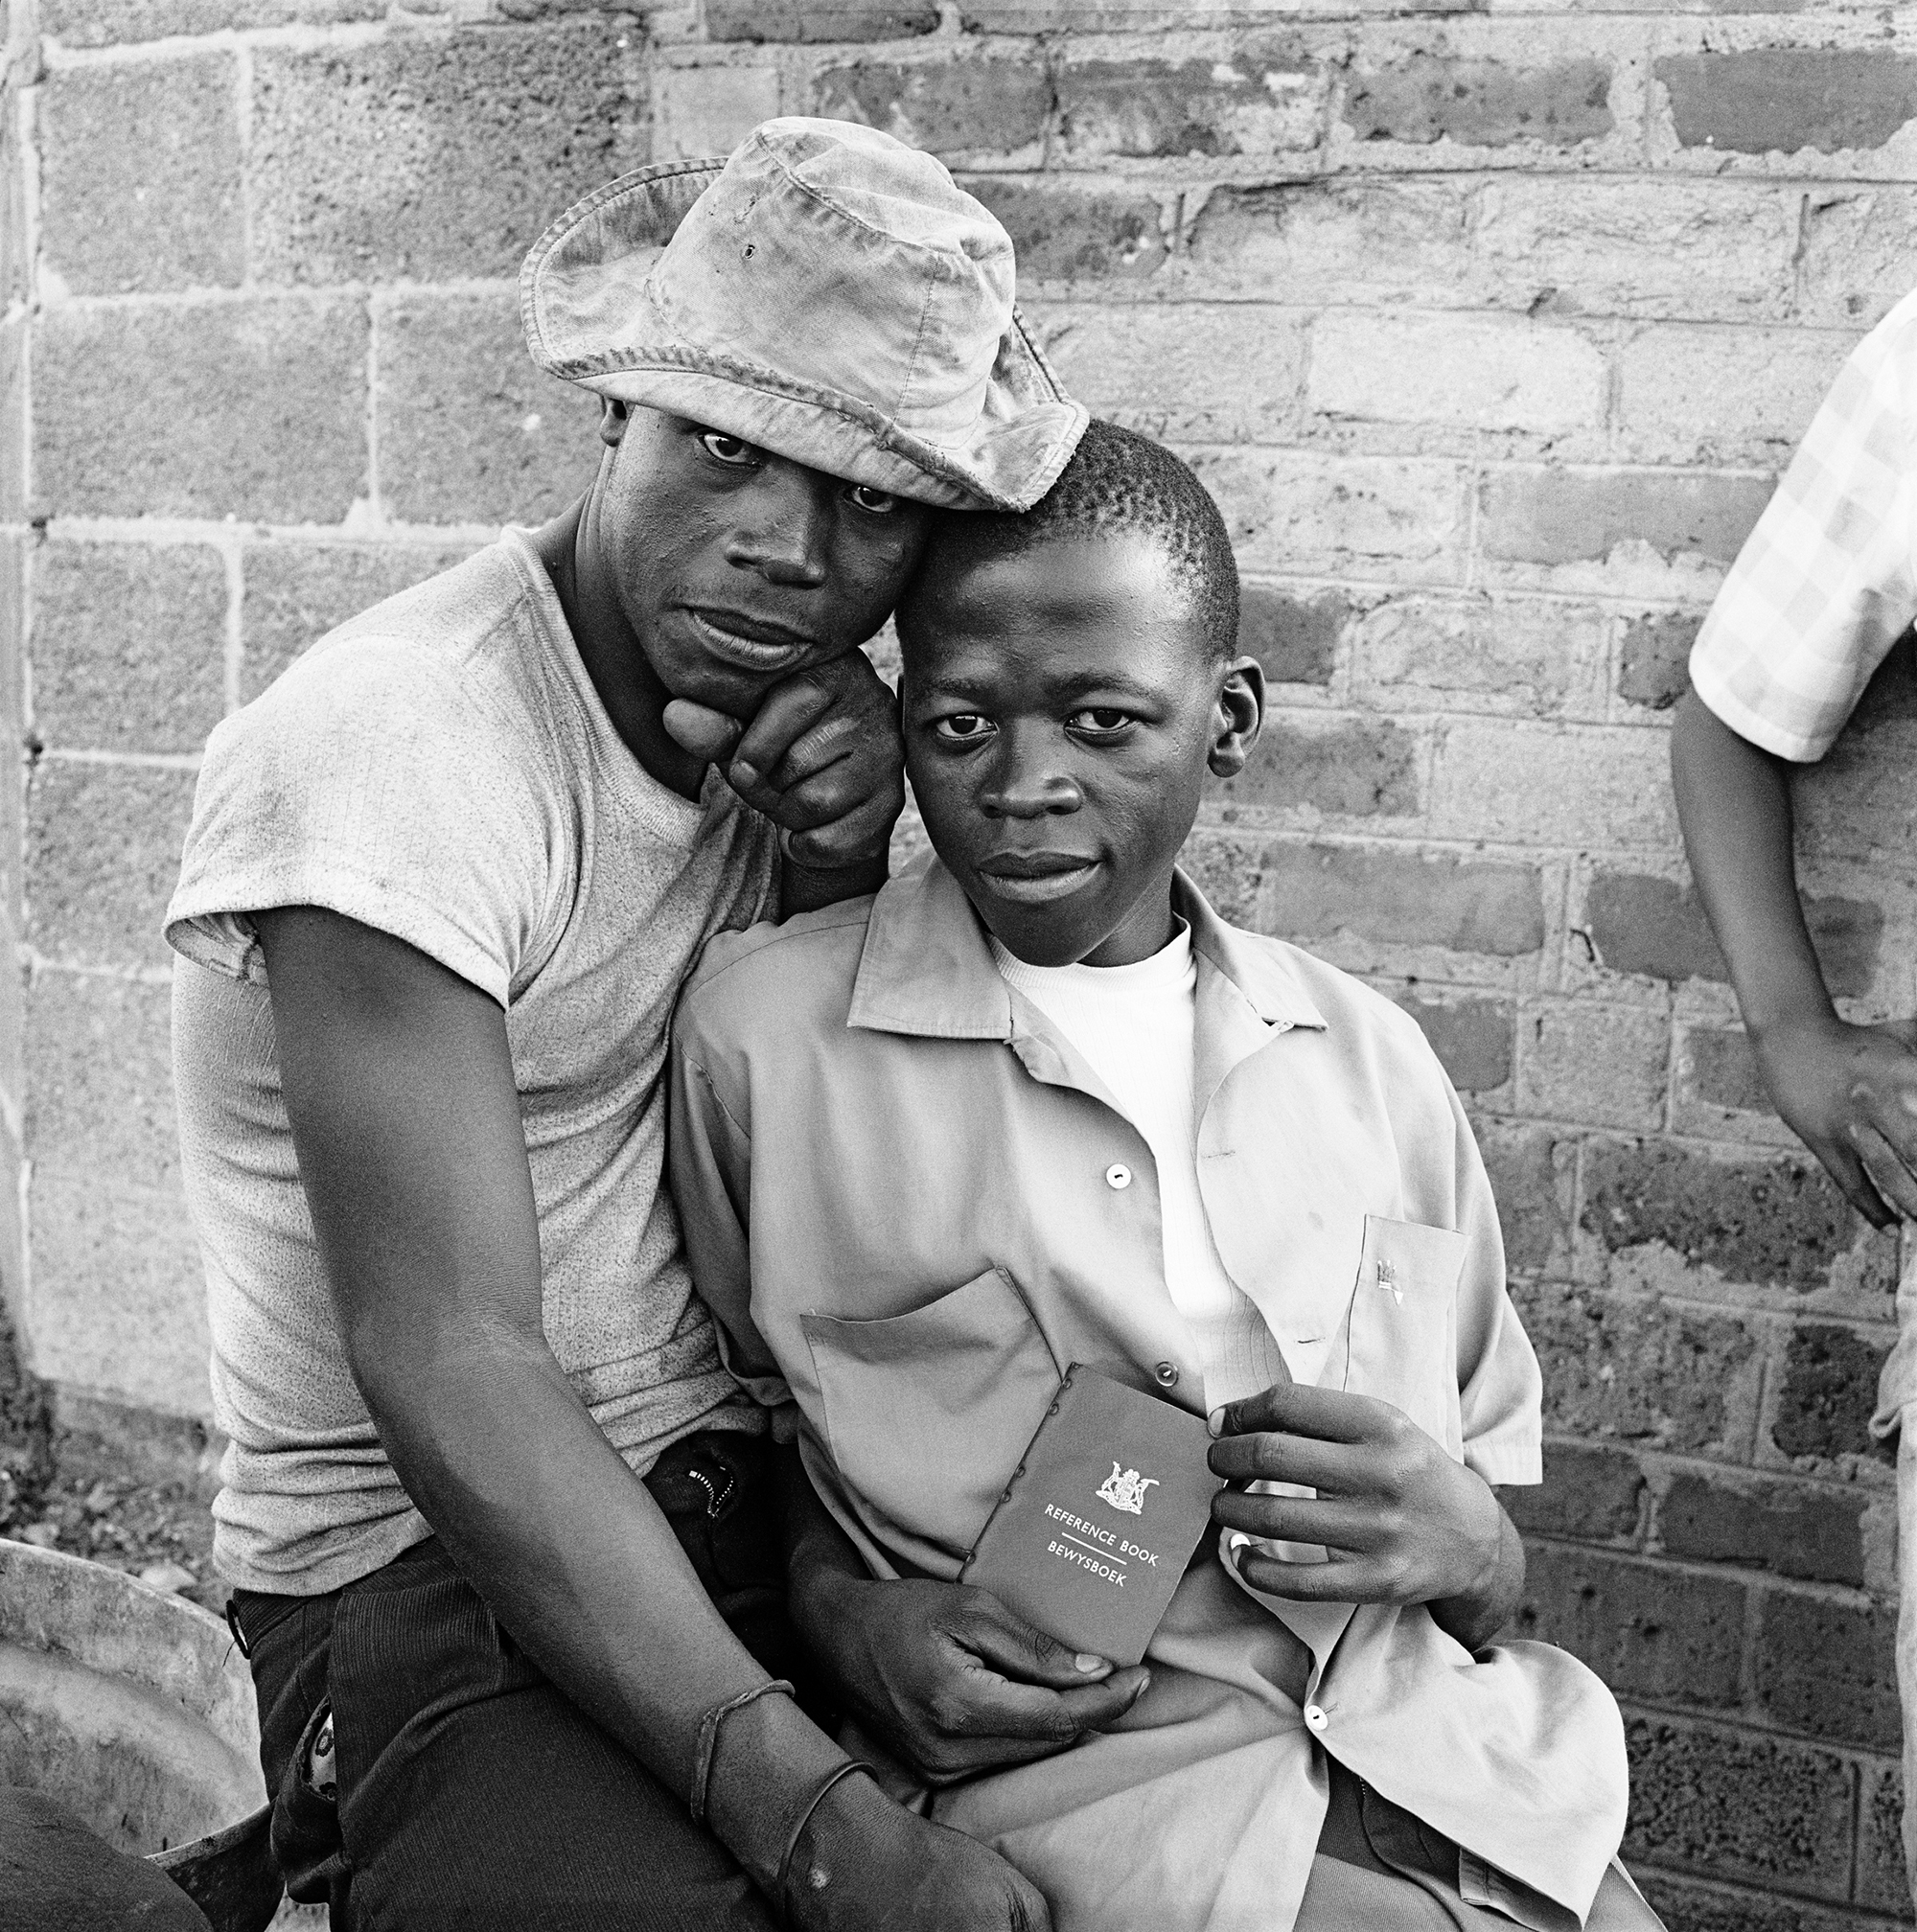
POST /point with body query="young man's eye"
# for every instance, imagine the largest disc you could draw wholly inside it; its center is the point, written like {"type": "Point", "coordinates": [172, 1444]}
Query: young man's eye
{"type": "Point", "coordinates": [878, 502]}
{"type": "Point", "coordinates": [732, 449]}
{"type": "Point", "coordinates": [1100, 719]}
{"type": "Point", "coordinates": [963, 727]}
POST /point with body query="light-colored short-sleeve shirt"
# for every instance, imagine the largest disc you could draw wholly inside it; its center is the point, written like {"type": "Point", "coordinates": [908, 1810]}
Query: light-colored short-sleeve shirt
{"type": "Point", "coordinates": [1827, 582]}
{"type": "Point", "coordinates": [912, 1201]}
{"type": "Point", "coordinates": [441, 768]}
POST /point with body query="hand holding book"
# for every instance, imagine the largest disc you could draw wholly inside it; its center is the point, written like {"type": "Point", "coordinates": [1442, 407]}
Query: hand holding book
{"type": "Point", "coordinates": [943, 1676]}
{"type": "Point", "coordinates": [1098, 1522]}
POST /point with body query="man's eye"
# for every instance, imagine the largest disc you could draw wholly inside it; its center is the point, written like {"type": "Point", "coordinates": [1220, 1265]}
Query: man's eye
{"type": "Point", "coordinates": [879, 502]}
{"type": "Point", "coordinates": [963, 727]}
{"type": "Point", "coordinates": [732, 449]}
{"type": "Point", "coordinates": [1099, 718]}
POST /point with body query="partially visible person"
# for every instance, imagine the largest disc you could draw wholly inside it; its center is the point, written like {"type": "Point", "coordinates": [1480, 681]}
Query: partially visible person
{"type": "Point", "coordinates": [508, 1570]}
{"type": "Point", "coordinates": [1824, 587]}
{"type": "Point", "coordinates": [1036, 1104]}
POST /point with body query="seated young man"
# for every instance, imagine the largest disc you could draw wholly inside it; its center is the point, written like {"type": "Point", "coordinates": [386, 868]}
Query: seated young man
{"type": "Point", "coordinates": [1036, 1104]}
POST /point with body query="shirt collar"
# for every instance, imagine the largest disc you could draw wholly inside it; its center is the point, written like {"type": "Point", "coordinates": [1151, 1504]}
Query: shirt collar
{"type": "Point", "coordinates": [927, 967]}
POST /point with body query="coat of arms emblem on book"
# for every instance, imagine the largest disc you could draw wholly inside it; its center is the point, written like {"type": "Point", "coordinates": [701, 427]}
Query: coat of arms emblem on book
{"type": "Point", "coordinates": [1124, 1489]}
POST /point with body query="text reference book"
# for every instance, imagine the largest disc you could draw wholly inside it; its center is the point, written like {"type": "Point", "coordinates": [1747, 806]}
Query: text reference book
{"type": "Point", "coordinates": [1100, 1518]}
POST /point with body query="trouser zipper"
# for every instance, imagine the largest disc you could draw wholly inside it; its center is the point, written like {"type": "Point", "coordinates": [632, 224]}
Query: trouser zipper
{"type": "Point", "coordinates": [716, 1497]}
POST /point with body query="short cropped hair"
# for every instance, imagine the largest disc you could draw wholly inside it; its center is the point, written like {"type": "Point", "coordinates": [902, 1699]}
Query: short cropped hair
{"type": "Point", "coordinates": [1117, 482]}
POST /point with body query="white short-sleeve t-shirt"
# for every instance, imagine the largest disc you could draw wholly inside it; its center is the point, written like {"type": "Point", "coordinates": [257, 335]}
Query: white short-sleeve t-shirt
{"type": "Point", "coordinates": [441, 768]}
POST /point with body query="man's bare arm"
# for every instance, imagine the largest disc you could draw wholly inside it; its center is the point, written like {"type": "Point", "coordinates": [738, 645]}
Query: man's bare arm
{"type": "Point", "coordinates": [1850, 1093]}
{"type": "Point", "coordinates": [399, 1084]}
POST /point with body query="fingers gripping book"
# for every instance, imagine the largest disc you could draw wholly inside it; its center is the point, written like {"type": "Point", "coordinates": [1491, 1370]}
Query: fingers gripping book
{"type": "Point", "coordinates": [1099, 1520]}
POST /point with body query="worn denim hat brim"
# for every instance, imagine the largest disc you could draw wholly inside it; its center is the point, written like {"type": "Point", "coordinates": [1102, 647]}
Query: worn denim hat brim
{"type": "Point", "coordinates": [851, 347]}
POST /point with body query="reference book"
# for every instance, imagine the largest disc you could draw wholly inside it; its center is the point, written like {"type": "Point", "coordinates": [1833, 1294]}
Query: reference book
{"type": "Point", "coordinates": [1100, 1518]}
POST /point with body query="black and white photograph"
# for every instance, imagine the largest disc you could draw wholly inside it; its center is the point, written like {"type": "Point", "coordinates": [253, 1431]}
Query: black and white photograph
{"type": "Point", "coordinates": [963, 965]}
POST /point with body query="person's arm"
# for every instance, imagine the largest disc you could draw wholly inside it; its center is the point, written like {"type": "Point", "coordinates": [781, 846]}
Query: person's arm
{"type": "Point", "coordinates": [1848, 1092]}
{"type": "Point", "coordinates": [949, 1678]}
{"type": "Point", "coordinates": [399, 1084]}
{"type": "Point", "coordinates": [1401, 1521]}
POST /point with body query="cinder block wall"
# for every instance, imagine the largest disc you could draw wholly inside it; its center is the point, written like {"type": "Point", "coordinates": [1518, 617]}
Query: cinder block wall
{"type": "Point", "coordinates": [1489, 326]}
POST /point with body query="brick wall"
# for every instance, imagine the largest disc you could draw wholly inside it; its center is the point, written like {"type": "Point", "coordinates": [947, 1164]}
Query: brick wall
{"type": "Point", "coordinates": [1489, 326]}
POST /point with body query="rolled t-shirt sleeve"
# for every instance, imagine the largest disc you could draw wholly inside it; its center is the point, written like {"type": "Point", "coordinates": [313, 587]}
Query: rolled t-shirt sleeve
{"type": "Point", "coordinates": [371, 782]}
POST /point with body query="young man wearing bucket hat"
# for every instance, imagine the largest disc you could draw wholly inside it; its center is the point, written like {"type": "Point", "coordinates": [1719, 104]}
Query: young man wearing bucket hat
{"type": "Point", "coordinates": [444, 879]}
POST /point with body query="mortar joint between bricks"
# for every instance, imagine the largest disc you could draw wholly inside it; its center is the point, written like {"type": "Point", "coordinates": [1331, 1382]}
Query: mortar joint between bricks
{"type": "Point", "coordinates": [220, 296]}
{"type": "Point", "coordinates": [300, 38]}
{"type": "Point", "coordinates": [1051, 127]}
{"type": "Point", "coordinates": [1859, 1801]}
{"type": "Point", "coordinates": [33, 747]}
{"type": "Point", "coordinates": [374, 507]}
{"type": "Point", "coordinates": [23, 1181]}
{"type": "Point", "coordinates": [59, 58]}
{"type": "Point", "coordinates": [35, 965]}
{"type": "Point", "coordinates": [243, 114]}
{"type": "Point", "coordinates": [1750, 1631]}
{"type": "Point", "coordinates": [1580, 1143]}
{"type": "Point", "coordinates": [1772, 1319]}
{"type": "Point", "coordinates": [1187, 207]}
{"type": "Point", "coordinates": [1471, 482]}
{"type": "Point", "coordinates": [139, 760]}
{"type": "Point", "coordinates": [1637, 1554]}
{"type": "Point", "coordinates": [1673, 1042]}
{"type": "Point", "coordinates": [233, 662]}
{"type": "Point", "coordinates": [27, 135]}
{"type": "Point", "coordinates": [22, 40]}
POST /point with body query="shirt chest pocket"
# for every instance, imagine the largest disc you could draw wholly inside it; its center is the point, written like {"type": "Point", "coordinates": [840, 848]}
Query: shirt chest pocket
{"type": "Point", "coordinates": [927, 1412]}
{"type": "Point", "coordinates": [1404, 1324]}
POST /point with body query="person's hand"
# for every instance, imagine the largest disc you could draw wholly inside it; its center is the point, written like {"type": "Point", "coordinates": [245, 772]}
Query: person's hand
{"type": "Point", "coordinates": [823, 758]}
{"type": "Point", "coordinates": [1401, 1521]}
{"type": "Point", "coordinates": [863, 1864]}
{"type": "Point", "coordinates": [950, 1679]}
{"type": "Point", "coordinates": [1850, 1094]}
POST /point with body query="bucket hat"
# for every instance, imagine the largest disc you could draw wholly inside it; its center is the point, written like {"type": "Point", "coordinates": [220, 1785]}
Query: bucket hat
{"type": "Point", "coordinates": [827, 293]}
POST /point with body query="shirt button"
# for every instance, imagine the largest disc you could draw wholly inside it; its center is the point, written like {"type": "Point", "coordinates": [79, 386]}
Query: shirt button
{"type": "Point", "coordinates": [1166, 1373]}
{"type": "Point", "coordinates": [1117, 1175]}
{"type": "Point", "coordinates": [1315, 1717]}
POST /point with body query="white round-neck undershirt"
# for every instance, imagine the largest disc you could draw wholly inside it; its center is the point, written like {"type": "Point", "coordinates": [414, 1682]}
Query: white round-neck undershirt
{"type": "Point", "coordinates": [1135, 1025]}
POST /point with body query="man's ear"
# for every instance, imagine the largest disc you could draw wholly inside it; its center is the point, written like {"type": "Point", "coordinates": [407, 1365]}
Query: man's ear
{"type": "Point", "coordinates": [1238, 717]}
{"type": "Point", "coordinates": [612, 420]}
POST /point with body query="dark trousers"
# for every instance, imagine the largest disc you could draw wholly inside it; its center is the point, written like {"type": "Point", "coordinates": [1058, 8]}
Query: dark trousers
{"type": "Point", "coordinates": [470, 1792]}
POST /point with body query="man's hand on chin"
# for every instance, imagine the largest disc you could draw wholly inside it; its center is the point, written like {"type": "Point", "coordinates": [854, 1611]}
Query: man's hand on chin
{"type": "Point", "coordinates": [822, 759]}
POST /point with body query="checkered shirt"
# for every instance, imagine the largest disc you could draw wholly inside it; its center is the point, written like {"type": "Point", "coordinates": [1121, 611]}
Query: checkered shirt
{"type": "Point", "coordinates": [1827, 582]}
